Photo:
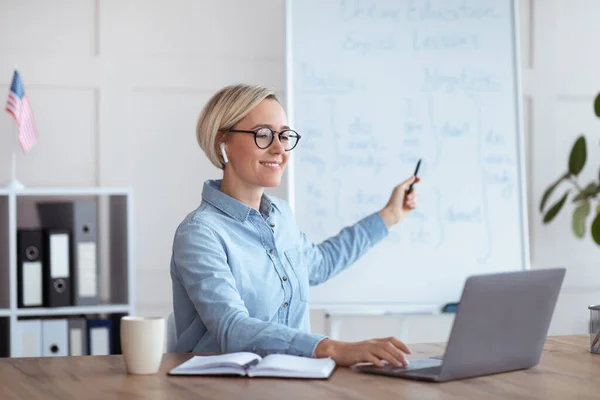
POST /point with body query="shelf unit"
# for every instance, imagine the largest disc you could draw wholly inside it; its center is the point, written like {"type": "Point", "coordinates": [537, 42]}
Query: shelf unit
{"type": "Point", "coordinates": [76, 310]}
{"type": "Point", "coordinates": [115, 243]}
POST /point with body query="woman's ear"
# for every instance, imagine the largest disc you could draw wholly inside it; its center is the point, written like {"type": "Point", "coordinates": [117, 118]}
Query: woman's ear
{"type": "Point", "coordinates": [223, 152]}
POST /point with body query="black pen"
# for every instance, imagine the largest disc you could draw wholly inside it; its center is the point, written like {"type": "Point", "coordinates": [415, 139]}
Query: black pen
{"type": "Point", "coordinates": [250, 364]}
{"type": "Point", "coordinates": [410, 188]}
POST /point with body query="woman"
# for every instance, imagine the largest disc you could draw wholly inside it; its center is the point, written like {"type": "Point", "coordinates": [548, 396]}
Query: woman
{"type": "Point", "coordinates": [240, 267]}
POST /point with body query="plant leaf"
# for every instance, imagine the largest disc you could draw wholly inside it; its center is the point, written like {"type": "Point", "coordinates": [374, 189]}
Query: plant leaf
{"type": "Point", "coordinates": [579, 216]}
{"type": "Point", "coordinates": [555, 208]}
{"type": "Point", "coordinates": [597, 106]}
{"type": "Point", "coordinates": [590, 190]}
{"type": "Point", "coordinates": [596, 229]}
{"type": "Point", "coordinates": [549, 191]}
{"type": "Point", "coordinates": [578, 156]}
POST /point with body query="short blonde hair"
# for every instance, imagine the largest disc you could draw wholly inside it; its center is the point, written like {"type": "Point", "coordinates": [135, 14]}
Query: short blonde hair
{"type": "Point", "coordinates": [223, 111]}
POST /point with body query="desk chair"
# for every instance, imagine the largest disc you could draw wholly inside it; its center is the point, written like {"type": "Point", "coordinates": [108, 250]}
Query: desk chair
{"type": "Point", "coordinates": [171, 333]}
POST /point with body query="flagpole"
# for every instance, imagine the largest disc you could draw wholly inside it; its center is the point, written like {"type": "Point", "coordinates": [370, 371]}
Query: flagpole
{"type": "Point", "coordinates": [15, 184]}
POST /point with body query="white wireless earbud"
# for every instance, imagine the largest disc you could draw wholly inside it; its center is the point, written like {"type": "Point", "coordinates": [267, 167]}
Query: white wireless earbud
{"type": "Point", "coordinates": [224, 153]}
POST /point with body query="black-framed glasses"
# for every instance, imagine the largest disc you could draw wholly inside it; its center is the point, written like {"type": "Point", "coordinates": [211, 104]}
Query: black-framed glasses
{"type": "Point", "coordinates": [263, 137]}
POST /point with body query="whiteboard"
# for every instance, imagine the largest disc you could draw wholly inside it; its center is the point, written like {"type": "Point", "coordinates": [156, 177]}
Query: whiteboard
{"type": "Point", "coordinates": [373, 86]}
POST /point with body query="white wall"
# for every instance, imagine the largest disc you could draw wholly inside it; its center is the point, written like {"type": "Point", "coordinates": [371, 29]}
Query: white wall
{"type": "Point", "coordinates": [116, 87]}
{"type": "Point", "coordinates": [561, 81]}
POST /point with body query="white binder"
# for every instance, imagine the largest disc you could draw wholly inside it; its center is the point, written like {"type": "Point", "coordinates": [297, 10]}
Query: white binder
{"type": "Point", "coordinates": [54, 338]}
{"type": "Point", "coordinates": [28, 339]}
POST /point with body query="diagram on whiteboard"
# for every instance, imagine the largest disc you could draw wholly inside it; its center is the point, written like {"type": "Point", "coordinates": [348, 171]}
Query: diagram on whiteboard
{"type": "Point", "coordinates": [378, 85]}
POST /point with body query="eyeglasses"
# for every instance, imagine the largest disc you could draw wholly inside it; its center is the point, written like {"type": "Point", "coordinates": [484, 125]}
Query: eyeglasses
{"type": "Point", "coordinates": [263, 137]}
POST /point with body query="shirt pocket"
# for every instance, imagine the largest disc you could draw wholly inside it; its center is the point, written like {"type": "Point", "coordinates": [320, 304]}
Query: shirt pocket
{"type": "Point", "coordinates": [296, 261]}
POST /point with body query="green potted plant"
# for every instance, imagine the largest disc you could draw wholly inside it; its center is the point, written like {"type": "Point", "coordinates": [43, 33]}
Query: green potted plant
{"type": "Point", "coordinates": [584, 198]}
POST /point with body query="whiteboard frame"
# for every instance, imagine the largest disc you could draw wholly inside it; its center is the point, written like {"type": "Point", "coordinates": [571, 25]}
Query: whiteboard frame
{"type": "Point", "coordinates": [524, 210]}
{"type": "Point", "coordinates": [521, 161]}
{"type": "Point", "coordinates": [289, 102]}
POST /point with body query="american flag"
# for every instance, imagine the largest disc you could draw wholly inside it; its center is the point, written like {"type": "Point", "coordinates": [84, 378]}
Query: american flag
{"type": "Point", "coordinates": [18, 106]}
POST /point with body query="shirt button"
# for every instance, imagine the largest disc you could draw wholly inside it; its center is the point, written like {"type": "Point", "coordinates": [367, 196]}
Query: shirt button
{"type": "Point", "coordinates": [286, 304]}
{"type": "Point", "coordinates": [272, 225]}
{"type": "Point", "coordinates": [272, 251]}
{"type": "Point", "coordinates": [284, 278]}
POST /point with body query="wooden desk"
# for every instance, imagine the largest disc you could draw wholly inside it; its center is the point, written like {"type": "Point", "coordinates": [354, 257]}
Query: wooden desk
{"type": "Point", "coordinates": [567, 371]}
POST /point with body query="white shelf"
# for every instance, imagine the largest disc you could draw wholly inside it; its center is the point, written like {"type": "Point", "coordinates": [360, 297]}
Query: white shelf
{"type": "Point", "coordinates": [99, 309]}
{"type": "Point", "coordinates": [114, 239]}
{"type": "Point", "coordinates": [67, 191]}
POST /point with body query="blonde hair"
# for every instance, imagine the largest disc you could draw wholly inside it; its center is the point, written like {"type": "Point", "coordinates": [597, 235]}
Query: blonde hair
{"type": "Point", "coordinates": [222, 112]}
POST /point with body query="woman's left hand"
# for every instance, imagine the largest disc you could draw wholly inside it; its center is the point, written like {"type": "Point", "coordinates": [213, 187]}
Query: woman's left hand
{"type": "Point", "coordinates": [400, 202]}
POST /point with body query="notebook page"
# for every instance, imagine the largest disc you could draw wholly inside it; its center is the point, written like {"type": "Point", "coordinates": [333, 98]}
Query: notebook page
{"type": "Point", "coordinates": [284, 365]}
{"type": "Point", "coordinates": [209, 371]}
{"type": "Point", "coordinates": [203, 363]}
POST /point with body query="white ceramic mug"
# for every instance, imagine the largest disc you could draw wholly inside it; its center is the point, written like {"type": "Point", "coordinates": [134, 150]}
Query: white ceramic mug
{"type": "Point", "coordinates": [142, 342]}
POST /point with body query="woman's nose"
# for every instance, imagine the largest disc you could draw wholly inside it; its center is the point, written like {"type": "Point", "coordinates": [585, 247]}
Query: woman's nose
{"type": "Point", "coordinates": [277, 146]}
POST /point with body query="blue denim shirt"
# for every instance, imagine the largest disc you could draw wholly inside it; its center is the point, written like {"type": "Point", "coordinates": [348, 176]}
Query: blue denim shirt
{"type": "Point", "coordinates": [241, 277]}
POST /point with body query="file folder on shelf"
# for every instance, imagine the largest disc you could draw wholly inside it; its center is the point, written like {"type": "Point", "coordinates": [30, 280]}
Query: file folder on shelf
{"type": "Point", "coordinates": [28, 340]}
{"type": "Point", "coordinates": [81, 219]}
{"type": "Point", "coordinates": [78, 337]}
{"type": "Point", "coordinates": [54, 338]}
{"type": "Point", "coordinates": [116, 332]}
{"type": "Point", "coordinates": [57, 281]}
{"type": "Point", "coordinates": [4, 337]}
{"type": "Point", "coordinates": [30, 258]}
{"type": "Point", "coordinates": [99, 337]}
{"type": "Point", "coordinates": [51, 337]}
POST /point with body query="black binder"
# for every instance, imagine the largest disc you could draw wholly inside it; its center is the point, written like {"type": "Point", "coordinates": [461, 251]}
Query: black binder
{"type": "Point", "coordinates": [80, 218]}
{"type": "Point", "coordinates": [57, 267]}
{"type": "Point", "coordinates": [116, 332]}
{"type": "Point", "coordinates": [30, 275]}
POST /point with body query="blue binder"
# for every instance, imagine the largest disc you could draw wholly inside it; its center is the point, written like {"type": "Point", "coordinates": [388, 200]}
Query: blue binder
{"type": "Point", "coordinates": [99, 337]}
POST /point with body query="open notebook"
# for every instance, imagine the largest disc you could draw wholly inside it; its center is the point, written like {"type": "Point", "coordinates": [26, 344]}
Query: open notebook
{"type": "Point", "coordinates": [250, 364]}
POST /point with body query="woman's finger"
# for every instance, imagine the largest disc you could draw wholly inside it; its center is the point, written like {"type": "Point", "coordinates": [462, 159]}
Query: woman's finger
{"type": "Point", "coordinates": [403, 187]}
{"type": "Point", "coordinates": [399, 344]}
{"type": "Point", "coordinates": [374, 360]}
{"type": "Point", "coordinates": [381, 352]}
{"type": "Point", "coordinates": [396, 352]}
{"type": "Point", "coordinates": [408, 181]}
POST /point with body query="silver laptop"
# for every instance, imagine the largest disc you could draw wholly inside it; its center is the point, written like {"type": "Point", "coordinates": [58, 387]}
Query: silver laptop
{"type": "Point", "coordinates": [501, 325]}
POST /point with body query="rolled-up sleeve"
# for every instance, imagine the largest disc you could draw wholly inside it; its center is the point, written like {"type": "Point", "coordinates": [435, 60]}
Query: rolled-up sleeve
{"type": "Point", "coordinates": [332, 256]}
{"type": "Point", "coordinates": [201, 265]}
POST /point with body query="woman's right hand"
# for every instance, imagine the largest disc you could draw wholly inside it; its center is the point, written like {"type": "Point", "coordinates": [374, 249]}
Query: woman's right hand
{"type": "Point", "coordinates": [374, 351]}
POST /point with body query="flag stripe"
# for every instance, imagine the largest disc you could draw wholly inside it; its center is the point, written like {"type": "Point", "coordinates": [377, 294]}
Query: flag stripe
{"type": "Point", "coordinates": [18, 106]}
{"type": "Point", "coordinates": [11, 109]}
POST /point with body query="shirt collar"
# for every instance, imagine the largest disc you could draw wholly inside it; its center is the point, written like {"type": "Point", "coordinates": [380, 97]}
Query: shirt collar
{"type": "Point", "coordinates": [212, 194]}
